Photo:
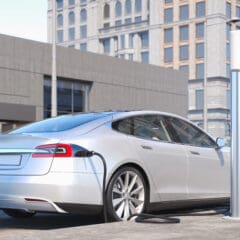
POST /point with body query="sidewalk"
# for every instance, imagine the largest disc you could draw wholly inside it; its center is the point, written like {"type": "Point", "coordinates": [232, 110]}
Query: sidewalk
{"type": "Point", "coordinates": [191, 227]}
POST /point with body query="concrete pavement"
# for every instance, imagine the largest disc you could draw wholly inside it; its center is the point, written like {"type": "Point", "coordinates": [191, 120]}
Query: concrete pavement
{"type": "Point", "coordinates": [212, 227]}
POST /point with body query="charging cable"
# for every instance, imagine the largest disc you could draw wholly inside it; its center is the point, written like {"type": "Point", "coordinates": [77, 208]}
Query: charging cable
{"type": "Point", "coordinates": [103, 184]}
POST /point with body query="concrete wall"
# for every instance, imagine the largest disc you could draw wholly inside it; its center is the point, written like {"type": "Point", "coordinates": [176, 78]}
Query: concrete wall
{"type": "Point", "coordinates": [116, 83]}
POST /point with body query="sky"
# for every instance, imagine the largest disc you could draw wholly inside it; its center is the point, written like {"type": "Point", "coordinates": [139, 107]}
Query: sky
{"type": "Point", "coordinates": [24, 18]}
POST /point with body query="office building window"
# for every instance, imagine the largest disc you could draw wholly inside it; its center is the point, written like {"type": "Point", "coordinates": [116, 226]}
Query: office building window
{"type": "Point", "coordinates": [228, 99]}
{"type": "Point", "coordinates": [184, 12]}
{"type": "Point", "coordinates": [71, 34]}
{"type": "Point", "coordinates": [59, 4]}
{"type": "Point", "coordinates": [228, 70]}
{"type": "Point", "coordinates": [200, 9]}
{"type": "Point", "coordinates": [200, 71]}
{"type": "Point", "coordinates": [83, 31]}
{"type": "Point", "coordinates": [199, 99]}
{"type": "Point", "coordinates": [145, 57]}
{"type": "Point", "coordinates": [71, 18]}
{"type": "Point", "coordinates": [106, 25]}
{"type": "Point", "coordinates": [130, 41]}
{"type": "Point", "coordinates": [71, 2]}
{"type": "Point", "coordinates": [144, 39]}
{"type": "Point", "coordinates": [184, 52]}
{"type": "Point", "coordinates": [238, 12]}
{"type": "Point", "coordinates": [130, 56]}
{"type": "Point", "coordinates": [200, 50]}
{"type": "Point", "coordinates": [227, 129]}
{"type": "Point", "coordinates": [200, 30]}
{"type": "Point", "coordinates": [183, 33]}
{"type": "Point", "coordinates": [168, 15]}
{"type": "Point", "coordinates": [106, 11]}
{"type": "Point", "coordinates": [118, 9]}
{"type": "Point", "coordinates": [228, 31]}
{"type": "Point", "coordinates": [122, 41]}
{"type": "Point", "coordinates": [59, 36]}
{"type": "Point", "coordinates": [138, 19]}
{"type": "Point", "coordinates": [168, 54]}
{"type": "Point", "coordinates": [168, 1]}
{"type": "Point", "coordinates": [118, 23]}
{"type": "Point", "coordinates": [128, 21]}
{"type": "Point", "coordinates": [83, 15]}
{"type": "Point", "coordinates": [168, 35]}
{"type": "Point", "coordinates": [83, 1]}
{"type": "Point", "coordinates": [106, 45]}
{"type": "Point", "coordinates": [128, 7]}
{"type": "Point", "coordinates": [228, 53]}
{"type": "Point", "coordinates": [228, 10]}
{"type": "Point", "coordinates": [138, 6]}
{"type": "Point", "coordinates": [60, 20]}
{"type": "Point", "coordinates": [83, 46]}
{"type": "Point", "coordinates": [71, 46]}
{"type": "Point", "coordinates": [184, 68]}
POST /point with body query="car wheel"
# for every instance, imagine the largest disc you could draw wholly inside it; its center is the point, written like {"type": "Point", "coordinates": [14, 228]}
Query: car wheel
{"type": "Point", "coordinates": [127, 194]}
{"type": "Point", "coordinates": [17, 213]}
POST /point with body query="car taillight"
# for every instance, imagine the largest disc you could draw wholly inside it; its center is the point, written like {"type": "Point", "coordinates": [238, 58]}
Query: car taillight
{"type": "Point", "coordinates": [53, 150]}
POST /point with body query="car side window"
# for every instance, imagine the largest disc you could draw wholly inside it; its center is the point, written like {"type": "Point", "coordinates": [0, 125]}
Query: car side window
{"type": "Point", "coordinates": [124, 126]}
{"type": "Point", "coordinates": [150, 127]}
{"type": "Point", "coordinates": [185, 133]}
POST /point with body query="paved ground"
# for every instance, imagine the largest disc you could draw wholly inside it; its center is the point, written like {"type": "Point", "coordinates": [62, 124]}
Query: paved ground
{"type": "Point", "coordinates": [58, 227]}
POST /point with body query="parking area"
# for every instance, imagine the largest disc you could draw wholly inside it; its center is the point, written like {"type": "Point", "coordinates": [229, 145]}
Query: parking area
{"type": "Point", "coordinates": [45, 226]}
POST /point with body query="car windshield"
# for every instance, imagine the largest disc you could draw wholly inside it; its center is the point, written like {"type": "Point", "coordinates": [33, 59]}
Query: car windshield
{"type": "Point", "coordinates": [61, 123]}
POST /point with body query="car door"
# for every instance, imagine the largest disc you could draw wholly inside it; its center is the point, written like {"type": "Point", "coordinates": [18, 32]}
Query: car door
{"type": "Point", "coordinates": [165, 161]}
{"type": "Point", "coordinates": [208, 166]}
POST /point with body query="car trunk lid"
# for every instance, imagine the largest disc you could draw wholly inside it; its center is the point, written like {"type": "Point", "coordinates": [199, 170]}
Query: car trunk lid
{"type": "Point", "coordinates": [16, 155]}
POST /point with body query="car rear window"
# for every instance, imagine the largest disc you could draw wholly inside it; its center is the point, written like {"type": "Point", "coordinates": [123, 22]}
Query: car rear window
{"type": "Point", "coordinates": [61, 123]}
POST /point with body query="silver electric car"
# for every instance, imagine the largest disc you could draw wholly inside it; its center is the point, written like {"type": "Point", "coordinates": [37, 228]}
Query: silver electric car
{"type": "Point", "coordinates": [154, 160]}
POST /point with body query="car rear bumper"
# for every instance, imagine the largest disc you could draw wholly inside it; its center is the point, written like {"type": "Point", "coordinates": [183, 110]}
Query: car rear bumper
{"type": "Point", "coordinates": [53, 192]}
{"type": "Point", "coordinates": [34, 204]}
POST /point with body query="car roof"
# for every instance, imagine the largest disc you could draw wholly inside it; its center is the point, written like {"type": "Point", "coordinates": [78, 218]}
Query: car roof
{"type": "Point", "coordinates": [126, 113]}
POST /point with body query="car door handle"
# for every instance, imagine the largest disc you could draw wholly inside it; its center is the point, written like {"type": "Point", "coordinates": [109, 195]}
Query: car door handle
{"type": "Point", "coordinates": [194, 153]}
{"type": "Point", "coordinates": [146, 147]}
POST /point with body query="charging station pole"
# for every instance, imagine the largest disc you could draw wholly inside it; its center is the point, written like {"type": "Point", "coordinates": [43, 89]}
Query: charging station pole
{"type": "Point", "coordinates": [235, 125]}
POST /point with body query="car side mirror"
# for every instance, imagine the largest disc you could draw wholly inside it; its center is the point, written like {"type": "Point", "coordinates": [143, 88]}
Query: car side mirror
{"type": "Point", "coordinates": [220, 142]}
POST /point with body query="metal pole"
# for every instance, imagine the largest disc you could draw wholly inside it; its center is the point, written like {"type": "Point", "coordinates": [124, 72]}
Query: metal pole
{"type": "Point", "coordinates": [235, 127]}
{"type": "Point", "coordinates": [54, 74]}
{"type": "Point", "coordinates": [205, 110]}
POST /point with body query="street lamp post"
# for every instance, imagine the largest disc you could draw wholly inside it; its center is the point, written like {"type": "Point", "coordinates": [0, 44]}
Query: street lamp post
{"type": "Point", "coordinates": [235, 121]}
{"type": "Point", "coordinates": [205, 108]}
{"type": "Point", "coordinates": [54, 74]}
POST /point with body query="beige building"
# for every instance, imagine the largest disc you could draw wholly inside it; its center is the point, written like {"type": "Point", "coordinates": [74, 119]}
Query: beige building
{"type": "Point", "coordinates": [189, 35]}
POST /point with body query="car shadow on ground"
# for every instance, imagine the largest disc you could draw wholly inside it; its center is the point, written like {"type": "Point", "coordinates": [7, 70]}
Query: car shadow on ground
{"type": "Point", "coordinates": [48, 221]}
{"type": "Point", "coordinates": [56, 221]}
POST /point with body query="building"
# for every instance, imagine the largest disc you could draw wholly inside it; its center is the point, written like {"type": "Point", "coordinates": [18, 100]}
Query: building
{"type": "Point", "coordinates": [189, 35]}
{"type": "Point", "coordinates": [86, 82]}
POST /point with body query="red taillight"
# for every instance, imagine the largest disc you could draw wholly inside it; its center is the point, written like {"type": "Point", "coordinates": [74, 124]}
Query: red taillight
{"type": "Point", "coordinates": [53, 150]}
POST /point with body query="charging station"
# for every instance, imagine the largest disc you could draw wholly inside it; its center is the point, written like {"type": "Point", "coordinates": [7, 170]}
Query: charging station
{"type": "Point", "coordinates": [235, 125]}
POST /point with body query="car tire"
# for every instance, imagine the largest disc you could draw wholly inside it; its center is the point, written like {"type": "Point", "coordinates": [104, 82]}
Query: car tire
{"type": "Point", "coordinates": [18, 213]}
{"type": "Point", "coordinates": [127, 194]}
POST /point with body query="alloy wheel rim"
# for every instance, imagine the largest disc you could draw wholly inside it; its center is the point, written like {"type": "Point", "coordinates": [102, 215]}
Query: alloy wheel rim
{"type": "Point", "coordinates": [128, 195]}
